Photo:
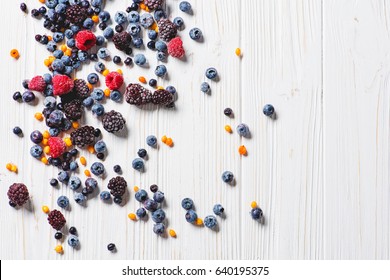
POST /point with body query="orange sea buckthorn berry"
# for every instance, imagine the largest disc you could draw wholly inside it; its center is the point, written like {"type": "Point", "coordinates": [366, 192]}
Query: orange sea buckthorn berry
{"type": "Point", "coordinates": [106, 72]}
{"type": "Point", "coordinates": [44, 160]}
{"type": "Point", "coordinates": [107, 92]}
{"type": "Point", "coordinates": [46, 150]}
{"type": "Point", "coordinates": [46, 134]}
{"type": "Point", "coordinates": [142, 6]}
{"type": "Point", "coordinates": [91, 149]}
{"type": "Point", "coordinates": [45, 209]}
{"type": "Point", "coordinates": [14, 53]}
{"type": "Point", "coordinates": [87, 173]}
{"type": "Point", "coordinates": [228, 128]}
{"type": "Point", "coordinates": [142, 79]}
{"type": "Point", "coordinates": [59, 249]}
{"type": "Point", "coordinates": [132, 216]}
{"type": "Point", "coordinates": [42, 1]}
{"type": "Point", "coordinates": [160, 87]}
{"type": "Point", "coordinates": [242, 150]}
{"type": "Point", "coordinates": [83, 161]}
{"type": "Point", "coordinates": [95, 19]}
{"type": "Point", "coordinates": [238, 52]}
{"type": "Point", "coordinates": [45, 142]}
{"type": "Point", "coordinates": [172, 233]}
{"type": "Point", "coordinates": [38, 116]}
{"type": "Point", "coordinates": [253, 204]}
{"type": "Point", "coordinates": [199, 222]}
{"type": "Point", "coordinates": [68, 142]}
{"type": "Point", "coordinates": [120, 71]}
{"type": "Point", "coordinates": [68, 52]}
{"type": "Point", "coordinates": [14, 168]}
{"type": "Point", "coordinates": [47, 62]}
{"type": "Point", "coordinates": [75, 125]}
{"type": "Point", "coordinates": [164, 139]}
{"type": "Point", "coordinates": [136, 189]}
{"type": "Point", "coordinates": [49, 38]}
{"type": "Point", "coordinates": [89, 86]}
{"type": "Point", "coordinates": [169, 142]}
{"type": "Point", "coordinates": [63, 48]}
{"type": "Point", "coordinates": [9, 166]}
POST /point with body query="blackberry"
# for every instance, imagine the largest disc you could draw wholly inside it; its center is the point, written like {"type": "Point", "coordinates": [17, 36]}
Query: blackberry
{"type": "Point", "coordinates": [76, 14]}
{"type": "Point", "coordinates": [18, 194]}
{"type": "Point", "coordinates": [162, 97]}
{"type": "Point", "coordinates": [167, 30]}
{"type": "Point", "coordinates": [113, 121]}
{"type": "Point", "coordinates": [153, 4]}
{"type": "Point", "coordinates": [137, 95]}
{"type": "Point", "coordinates": [81, 89]}
{"type": "Point", "coordinates": [83, 136]}
{"type": "Point", "coordinates": [73, 110]}
{"type": "Point", "coordinates": [56, 219]}
{"type": "Point", "coordinates": [121, 40]}
{"type": "Point", "coordinates": [117, 186]}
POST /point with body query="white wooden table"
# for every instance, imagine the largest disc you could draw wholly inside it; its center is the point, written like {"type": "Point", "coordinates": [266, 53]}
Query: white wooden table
{"type": "Point", "coordinates": [319, 171]}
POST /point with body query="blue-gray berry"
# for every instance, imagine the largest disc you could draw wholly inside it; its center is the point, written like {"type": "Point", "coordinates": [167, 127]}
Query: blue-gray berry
{"type": "Point", "coordinates": [210, 221]}
{"type": "Point", "coordinates": [151, 141]}
{"type": "Point", "coordinates": [191, 216]}
{"type": "Point", "coordinates": [91, 183]}
{"type": "Point", "coordinates": [243, 130]}
{"type": "Point", "coordinates": [79, 198]}
{"type": "Point", "coordinates": [133, 17]}
{"type": "Point", "coordinates": [195, 33]}
{"type": "Point", "coordinates": [88, 102]}
{"type": "Point", "coordinates": [161, 46]}
{"type": "Point", "coordinates": [133, 29]}
{"type": "Point", "coordinates": [103, 53]}
{"type": "Point", "coordinates": [161, 56]}
{"type": "Point", "coordinates": [159, 228]}
{"type": "Point", "coordinates": [159, 14]}
{"type": "Point", "coordinates": [105, 195]}
{"type": "Point", "coordinates": [137, 42]}
{"type": "Point", "coordinates": [256, 213]}
{"type": "Point", "coordinates": [141, 213]}
{"type": "Point", "coordinates": [97, 168]}
{"type": "Point", "coordinates": [98, 109]}
{"type": "Point", "coordinates": [108, 33]}
{"type": "Point", "coordinates": [138, 164]}
{"type": "Point", "coordinates": [63, 201]}
{"type": "Point", "coordinates": [120, 17]}
{"type": "Point", "coordinates": [88, 23]}
{"type": "Point", "coordinates": [178, 21]}
{"type": "Point", "coordinates": [211, 73]}
{"type": "Point", "coordinates": [268, 110]}
{"type": "Point", "coordinates": [141, 195]}
{"type": "Point", "coordinates": [93, 78]}
{"type": "Point", "coordinates": [74, 182]}
{"type": "Point", "coordinates": [160, 70]}
{"type": "Point", "coordinates": [187, 203]}
{"type": "Point", "coordinates": [73, 165]}
{"type": "Point", "coordinates": [36, 151]}
{"type": "Point", "coordinates": [185, 6]}
{"type": "Point", "coordinates": [97, 94]}
{"type": "Point", "coordinates": [104, 16]}
{"type": "Point", "coordinates": [73, 241]}
{"type": "Point", "coordinates": [63, 176]}
{"type": "Point", "coordinates": [218, 209]}
{"type": "Point", "coordinates": [150, 205]}
{"type": "Point", "coordinates": [139, 59]}
{"type": "Point", "coordinates": [152, 35]}
{"type": "Point", "coordinates": [158, 196]}
{"type": "Point", "coordinates": [100, 146]}
{"type": "Point", "coordinates": [205, 87]}
{"type": "Point", "coordinates": [227, 177]}
{"type": "Point", "coordinates": [146, 20]}
{"type": "Point", "coordinates": [115, 95]}
{"type": "Point", "coordinates": [158, 216]}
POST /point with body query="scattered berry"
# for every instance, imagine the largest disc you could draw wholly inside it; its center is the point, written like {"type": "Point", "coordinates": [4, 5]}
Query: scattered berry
{"type": "Point", "coordinates": [210, 222]}
{"type": "Point", "coordinates": [85, 40]}
{"type": "Point", "coordinates": [195, 34]}
{"type": "Point", "coordinates": [218, 209]}
{"type": "Point", "coordinates": [37, 83]}
{"type": "Point", "coordinates": [56, 219]}
{"type": "Point", "coordinates": [268, 110]}
{"type": "Point", "coordinates": [57, 146]}
{"type": "Point", "coordinates": [227, 177]}
{"type": "Point", "coordinates": [62, 84]}
{"type": "Point", "coordinates": [114, 80]}
{"type": "Point", "coordinates": [18, 194]}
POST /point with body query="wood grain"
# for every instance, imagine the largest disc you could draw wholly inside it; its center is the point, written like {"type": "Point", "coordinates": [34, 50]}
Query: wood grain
{"type": "Point", "coordinates": [319, 170]}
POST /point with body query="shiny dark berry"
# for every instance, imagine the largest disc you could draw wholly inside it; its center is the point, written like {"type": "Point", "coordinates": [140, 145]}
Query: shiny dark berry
{"type": "Point", "coordinates": [97, 132]}
{"type": "Point", "coordinates": [152, 82]}
{"type": "Point", "coordinates": [100, 155]}
{"type": "Point", "coordinates": [111, 247]}
{"type": "Point", "coordinates": [117, 169]}
{"type": "Point", "coordinates": [128, 61]}
{"type": "Point", "coordinates": [73, 230]}
{"type": "Point", "coordinates": [151, 45]}
{"type": "Point", "coordinates": [42, 10]}
{"type": "Point", "coordinates": [84, 191]}
{"type": "Point", "coordinates": [228, 112]}
{"type": "Point", "coordinates": [44, 40]}
{"type": "Point", "coordinates": [153, 188]}
{"type": "Point", "coordinates": [74, 152]}
{"type": "Point", "coordinates": [93, 56]}
{"type": "Point", "coordinates": [17, 96]}
{"type": "Point", "coordinates": [25, 84]}
{"type": "Point", "coordinates": [35, 13]}
{"type": "Point", "coordinates": [17, 130]}
{"type": "Point", "coordinates": [65, 166]}
{"type": "Point", "coordinates": [142, 153]}
{"type": "Point", "coordinates": [57, 162]}
{"type": "Point", "coordinates": [117, 59]}
{"type": "Point", "coordinates": [58, 235]}
{"type": "Point", "coordinates": [60, 106]}
{"type": "Point", "coordinates": [23, 7]}
{"type": "Point", "coordinates": [12, 204]}
{"type": "Point", "coordinates": [102, 26]}
{"type": "Point", "coordinates": [53, 182]}
{"type": "Point", "coordinates": [119, 28]}
{"type": "Point", "coordinates": [128, 10]}
{"type": "Point", "coordinates": [38, 37]}
{"type": "Point", "coordinates": [129, 51]}
{"type": "Point", "coordinates": [134, 7]}
{"type": "Point", "coordinates": [67, 155]}
{"type": "Point", "coordinates": [85, 4]}
{"type": "Point", "coordinates": [117, 200]}
{"type": "Point", "coordinates": [89, 189]}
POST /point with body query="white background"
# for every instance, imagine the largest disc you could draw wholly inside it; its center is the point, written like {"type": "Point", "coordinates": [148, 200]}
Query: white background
{"type": "Point", "coordinates": [319, 171]}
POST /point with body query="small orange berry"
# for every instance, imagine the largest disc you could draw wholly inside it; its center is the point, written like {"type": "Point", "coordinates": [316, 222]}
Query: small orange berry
{"type": "Point", "coordinates": [87, 173]}
{"type": "Point", "coordinates": [75, 125]}
{"type": "Point", "coordinates": [142, 79]}
{"type": "Point", "coordinates": [169, 142]}
{"type": "Point", "coordinates": [63, 48]}
{"type": "Point", "coordinates": [242, 150]}
{"type": "Point", "coordinates": [120, 71]}
{"type": "Point", "coordinates": [136, 189]}
{"type": "Point", "coordinates": [68, 52]}
{"type": "Point", "coordinates": [238, 52]}
{"type": "Point", "coordinates": [44, 160]}
{"type": "Point", "coordinates": [9, 166]}
{"type": "Point", "coordinates": [52, 58]}
{"type": "Point", "coordinates": [154, 25]}
{"type": "Point", "coordinates": [38, 116]}
{"type": "Point", "coordinates": [45, 209]}
{"type": "Point", "coordinates": [160, 87]}
{"type": "Point", "coordinates": [45, 142]}
{"type": "Point", "coordinates": [47, 62]}
{"type": "Point", "coordinates": [91, 149]}
{"type": "Point", "coordinates": [95, 19]}
{"type": "Point", "coordinates": [14, 53]}
{"type": "Point", "coordinates": [59, 249]}
{"type": "Point", "coordinates": [49, 38]}
{"type": "Point", "coordinates": [46, 150]}
{"type": "Point", "coordinates": [228, 128]}
{"type": "Point", "coordinates": [106, 72]}
{"type": "Point", "coordinates": [199, 222]}
{"type": "Point", "coordinates": [46, 134]}
{"type": "Point", "coordinates": [83, 161]}
{"type": "Point", "coordinates": [164, 139]}
{"type": "Point", "coordinates": [42, 1]}
{"type": "Point", "coordinates": [142, 6]}
{"type": "Point", "coordinates": [132, 216]}
{"type": "Point", "coordinates": [90, 86]}
{"type": "Point", "coordinates": [14, 168]}
{"type": "Point", "coordinates": [107, 92]}
{"type": "Point", "coordinates": [68, 142]}
{"type": "Point", "coordinates": [253, 204]}
{"type": "Point", "coordinates": [172, 233]}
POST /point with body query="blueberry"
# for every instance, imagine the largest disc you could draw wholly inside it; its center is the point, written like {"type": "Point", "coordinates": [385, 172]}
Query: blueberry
{"type": "Point", "coordinates": [91, 183]}
{"type": "Point", "coordinates": [80, 198]}
{"type": "Point", "coordinates": [100, 40]}
{"type": "Point", "coordinates": [73, 165]}
{"type": "Point", "coordinates": [53, 182]}
{"type": "Point", "coordinates": [97, 132]}
{"type": "Point", "coordinates": [55, 118]}
{"type": "Point", "coordinates": [118, 28]}
{"type": "Point", "coordinates": [152, 82]}
{"type": "Point", "coordinates": [99, 67]}
{"type": "Point", "coordinates": [36, 151]}
{"type": "Point", "coordinates": [210, 221]}
{"type": "Point", "coordinates": [48, 90]}
{"type": "Point", "coordinates": [97, 94]}
{"type": "Point", "coordinates": [58, 54]}
{"type": "Point", "coordinates": [71, 43]}
{"type": "Point", "coordinates": [138, 164]}
{"type": "Point", "coordinates": [63, 201]}
{"type": "Point", "coordinates": [218, 209]}
{"type": "Point", "coordinates": [28, 96]}
{"type": "Point", "coordinates": [117, 200]}
{"type": "Point", "coordinates": [133, 17]}
{"type": "Point", "coordinates": [73, 241]}
{"type": "Point", "coordinates": [187, 203]}
{"type": "Point", "coordinates": [74, 183]}
{"type": "Point", "coordinates": [211, 73]}
{"type": "Point", "coordinates": [116, 59]}
{"type": "Point", "coordinates": [151, 140]}
{"type": "Point", "coordinates": [158, 196]}
{"type": "Point", "coordinates": [117, 169]}
{"type": "Point", "coordinates": [159, 228]}
{"type": "Point", "coordinates": [146, 20]}
{"type": "Point", "coordinates": [96, 3]}
{"type": "Point", "coordinates": [133, 7]}
{"type": "Point", "coordinates": [184, 6]}
{"type": "Point", "coordinates": [58, 65]}
{"type": "Point", "coordinates": [108, 33]}
{"type": "Point", "coordinates": [195, 33]}
{"type": "Point", "coordinates": [133, 29]}
{"type": "Point", "coordinates": [17, 96]}
{"type": "Point", "coordinates": [97, 168]}
{"type": "Point", "coordinates": [58, 235]}
{"type": "Point", "coordinates": [227, 177]}
{"type": "Point", "coordinates": [58, 37]}
{"type": "Point", "coordinates": [69, 34]}
{"type": "Point", "coordinates": [23, 7]}
{"type": "Point", "coordinates": [191, 216]}
{"type": "Point", "coordinates": [205, 87]}
{"type": "Point", "coordinates": [160, 70]}
{"type": "Point", "coordinates": [74, 152]}
{"type": "Point", "coordinates": [120, 17]}
{"type": "Point", "coordinates": [36, 137]}
{"type": "Point", "coordinates": [178, 21]}
{"type": "Point", "coordinates": [152, 35]}
{"type": "Point", "coordinates": [100, 146]}
{"type": "Point", "coordinates": [98, 109]}
{"type": "Point", "coordinates": [17, 130]}
{"type": "Point", "coordinates": [139, 59]}
{"type": "Point", "coordinates": [142, 153]}
{"type": "Point", "coordinates": [128, 61]}
{"type": "Point", "coordinates": [103, 53]}
{"type": "Point", "coordinates": [159, 14]}
{"type": "Point", "coordinates": [141, 195]}
{"type": "Point", "coordinates": [256, 213]}
{"type": "Point", "coordinates": [63, 176]}
{"type": "Point", "coordinates": [104, 16]}
{"type": "Point", "coordinates": [102, 26]}
{"type": "Point", "coordinates": [137, 42]}
{"type": "Point", "coordinates": [161, 56]}
{"type": "Point", "coordinates": [88, 102]}
{"type": "Point", "coordinates": [115, 95]}
{"type": "Point", "coordinates": [151, 45]}
{"type": "Point", "coordinates": [141, 213]}
{"type": "Point", "coordinates": [158, 216]}
{"type": "Point", "coordinates": [161, 46]}
{"type": "Point", "coordinates": [268, 110]}
{"type": "Point", "coordinates": [153, 188]}
{"type": "Point", "coordinates": [105, 195]}
{"type": "Point", "coordinates": [243, 130]}
{"type": "Point", "coordinates": [88, 23]}
{"type": "Point", "coordinates": [150, 205]}
{"type": "Point", "coordinates": [93, 78]}
{"type": "Point", "coordinates": [171, 89]}
{"type": "Point", "coordinates": [66, 125]}
{"type": "Point", "coordinates": [111, 247]}
{"type": "Point", "coordinates": [228, 112]}
{"type": "Point", "coordinates": [51, 3]}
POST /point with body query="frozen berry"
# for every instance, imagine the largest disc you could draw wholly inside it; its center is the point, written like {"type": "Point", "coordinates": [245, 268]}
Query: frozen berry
{"type": "Point", "coordinates": [37, 83]}
{"type": "Point", "coordinates": [175, 48]}
{"type": "Point", "coordinates": [57, 146]}
{"type": "Point", "coordinates": [114, 80]}
{"type": "Point", "coordinates": [62, 84]}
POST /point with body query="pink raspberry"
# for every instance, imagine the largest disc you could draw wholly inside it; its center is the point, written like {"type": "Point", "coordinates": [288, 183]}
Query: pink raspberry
{"type": "Point", "coordinates": [175, 48]}
{"type": "Point", "coordinates": [37, 83]}
{"type": "Point", "coordinates": [85, 40]}
{"type": "Point", "coordinates": [114, 80]}
{"type": "Point", "coordinates": [62, 84]}
{"type": "Point", "coordinates": [57, 146]}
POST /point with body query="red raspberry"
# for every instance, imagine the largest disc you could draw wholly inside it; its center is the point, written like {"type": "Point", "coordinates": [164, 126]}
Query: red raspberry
{"type": "Point", "coordinates": [37, 83]}
{"type": "Point", "coordinates": [57, 146]}
{"type": "Point", "coordinates": [62, 84]}
{"type": "Point", "coordinates": [85, 40]}
{"type": "Point", "coordinates": [175, 48]}
{"type": "Point", "coordinates": [114, 80]}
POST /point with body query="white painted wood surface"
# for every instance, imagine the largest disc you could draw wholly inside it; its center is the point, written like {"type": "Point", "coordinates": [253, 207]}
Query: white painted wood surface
{"type": "Point", "coordinates": [319, 171]}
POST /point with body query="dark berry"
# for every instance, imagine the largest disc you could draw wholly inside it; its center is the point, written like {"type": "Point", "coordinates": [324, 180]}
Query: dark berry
{"type": "Point", "coordinates": [89, 189]}
{"type": "Point", "coordinates": [84, 191]}
{"type": "Point", "coordinates": [118, 28]}
{"type": "Point", "coordinates": [44, 40]}
{"type": "Point", "coordinates": [67, 156]}
{"type": "Point", "coordinates": [12, 204]}
{"type": "Point", "coordinates": [152, 82]}
{"type": "Point", "coordinates": [25, 83]}
{"type": "Point", "coordinates": [111, 247]}
{"type": "Point", "coordinates": [42, 10]}
{"type": "Point", "coordinates": [128, 51]}
{"type": "Point", "coordinates": [35, 13]}
{"type": "Point", "coordinates": [100, 155]}
{"type": "Point", "coordinates": [102, 25]}
{"type": "Point", "coordinates": [38, 37]}
{"type": "Point", "coordinates": [97, 132]}
{"type": "Point", "coordinates": [117, 169]}
{"type": "Point", "coordinates": [117, 200]}
{"type": "Point", "coordinates": [142, 153]}
{"type": "Point", "coordinates": [128, 61]}
{"type": "Point", "coordinates": [93, 56]}
{"type": "Point", "coordinates": [58, 235]}
{"type": "Point", "coordinates": [134, 7]}
{"type": "Point", "coordinates": [74, 152]}
{"type": "Point", "coordinates": [228, 112]}
{"type": "Point", "coordinates": [60, 106]}
{"type": "Point", "coordinates": [117, 59]}
{"type": "Point", "coordinates": [53, 182]}
{"type": "Point", "coordinates": [153, 188]}
{"type": "Point", "coordinates": [17, 130]}
{"type": "Point", "coordinates": [17, 96]}
{"type": "Point", "coordinates": [151, 45]}
{"type": "Point", "coordinates": [23, 7]}
{"type": "Point", "coordinates": [65, 166]}
{"type": "Point", "coordinates": [57, 161]}
{"type": "Point", "coordinates": [73, 230]}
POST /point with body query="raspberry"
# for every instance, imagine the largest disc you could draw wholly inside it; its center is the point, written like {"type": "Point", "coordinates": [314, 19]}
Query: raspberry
{"type": "Point", "coordinates": [122, 40]}
{"type": "Point", "coordinates": [113, 121]}
{"type": "Point", "coordinates": [18, 193]}
{"type": "Point", "coordinates": [117, 185]}
{"type": "Point", "coordinates": [37, 83]}
{"type": "Point", "coordinates": [57, 146]}
{"type": "Point", "coordinates": [114, 80]}
{"type": "Point", "coordinates": [175, 48]}
{"type": "Point", "coordinates": [56, 219]}
{"type": "Point", "coordinates": [162, 97]}
{"type": "Point", "coordinates": [153, 4]}
{"type": "Point", "coordinates": [137, 95]}
{"type": "Point", "coordinates": [85, 40]}
{"type": "Point", "coordinates": [167, 30]}
{"type": "Point", "coordinates": [62, 84]}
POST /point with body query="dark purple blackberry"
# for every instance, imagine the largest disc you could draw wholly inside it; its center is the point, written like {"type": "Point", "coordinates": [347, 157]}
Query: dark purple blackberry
{"type": "Point", "coordinates": [56, 219]}
{"type": "Point", "coordinates": [81, 89]}
{"type": "Point", "coordinates": [83, 136]}
{"type": "Point", "coordinates": [162, 97]}
{"type": "Point", "coordinates": [166, 29]}
{"type": "Point", "coordinates": [113, 121]}
{"type": "Point", "coordinates": [137, 95]}
{"type": "Point", "coordinates": [18, 194]}
{"type": "Point", "coordinates": [121, 40]}
{"type": "Point", "coordinates": [76, 14]}
{"type": "Point", "coordinates": [153, 4]}
{"type": "Point", "coordinates": [117, 186]}
{"type": "Point", "coordinates": [73, 110]}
